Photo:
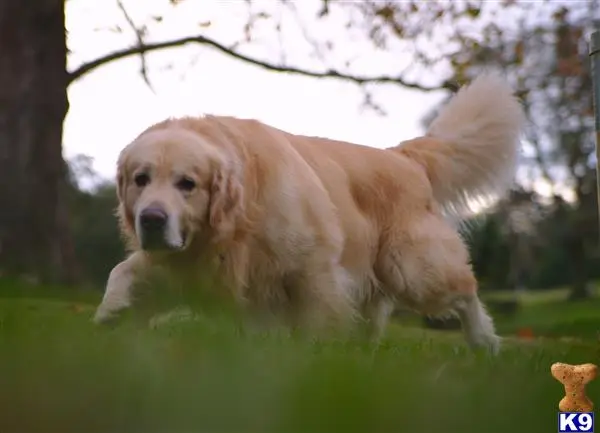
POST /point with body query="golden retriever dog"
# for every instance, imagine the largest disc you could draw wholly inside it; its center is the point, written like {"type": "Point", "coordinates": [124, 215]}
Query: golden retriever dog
{"type": "Point", "coordinates": [318, 232]}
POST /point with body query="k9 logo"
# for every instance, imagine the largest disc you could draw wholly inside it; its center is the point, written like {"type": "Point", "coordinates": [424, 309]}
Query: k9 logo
{"type": "Point", "coordinates": [576, 422]}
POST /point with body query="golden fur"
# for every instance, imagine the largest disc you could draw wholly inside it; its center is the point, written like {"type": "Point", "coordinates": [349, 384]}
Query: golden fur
{"type": "Point", "coordinates": [320, 231]}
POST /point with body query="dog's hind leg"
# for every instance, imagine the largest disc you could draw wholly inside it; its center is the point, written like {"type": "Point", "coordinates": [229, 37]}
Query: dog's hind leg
{"type": "Point", "coordinates": [477, 325]}
{"type": "Point", "coordinates": [426, 266]}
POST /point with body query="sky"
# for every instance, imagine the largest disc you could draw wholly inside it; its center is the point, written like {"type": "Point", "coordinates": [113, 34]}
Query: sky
{"type": "Point", "coordinates": [113, 104]}
{"type": "Point", "coordinates": [110, 106]}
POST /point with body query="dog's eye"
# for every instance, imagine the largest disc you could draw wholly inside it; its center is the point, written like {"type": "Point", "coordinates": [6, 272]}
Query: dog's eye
{"type": "Point", "coordinates": [142, 180]}
{"type": "Point", "coordinates": [186, 184]}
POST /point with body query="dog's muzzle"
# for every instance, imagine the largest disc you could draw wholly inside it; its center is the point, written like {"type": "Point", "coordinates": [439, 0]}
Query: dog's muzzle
{"type": "Point", "coordinates": [153, 219]}
{"type": "Point", "coordinates": [157, 230]}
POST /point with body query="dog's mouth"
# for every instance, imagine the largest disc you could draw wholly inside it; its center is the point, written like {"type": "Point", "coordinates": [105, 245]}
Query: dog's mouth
{"type": "Point", "coordinates": [161, 231]}
{"type": "Point", "coordinates": [159, 242]}
{"type": "Point", "coordinates": [184, 240]}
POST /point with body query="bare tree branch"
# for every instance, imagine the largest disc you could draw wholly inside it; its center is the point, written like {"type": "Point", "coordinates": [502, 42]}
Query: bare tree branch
{"type": "Point", "coordinates": [139, 34]}
{"type": "Point", "coordinates": [330, 73]}
{"type": "Point", "coordinates": [317, 51]}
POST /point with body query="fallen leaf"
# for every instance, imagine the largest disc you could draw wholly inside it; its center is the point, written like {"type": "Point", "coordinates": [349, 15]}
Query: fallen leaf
{"type": "Point", "coordinates": [525, 333]}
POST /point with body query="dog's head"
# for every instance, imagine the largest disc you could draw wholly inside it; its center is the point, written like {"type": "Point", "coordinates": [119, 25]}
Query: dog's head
{"type": "Point", "coordinates": [174, 187]}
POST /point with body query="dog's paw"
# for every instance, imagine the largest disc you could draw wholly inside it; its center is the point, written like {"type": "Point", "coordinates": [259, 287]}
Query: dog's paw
{"type": "Point", "coordinates": [490, 342]}
{"type": "Point", "coordinates": [494, 344]}
{"type": "Point", "coordinates": [171, 317]}
{"type": "Point", "coordinates": [105, 315]}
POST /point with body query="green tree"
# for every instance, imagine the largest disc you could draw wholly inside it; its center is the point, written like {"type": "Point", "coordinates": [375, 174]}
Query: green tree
{"type": "Point", "coordinates": [543, 51]}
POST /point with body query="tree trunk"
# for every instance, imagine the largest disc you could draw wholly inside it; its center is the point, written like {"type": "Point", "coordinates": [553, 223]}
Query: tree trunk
{"type": "Point", "coordinates": [34, 234]}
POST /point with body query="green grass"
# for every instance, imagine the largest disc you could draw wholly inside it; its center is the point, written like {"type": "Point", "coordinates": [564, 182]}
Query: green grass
{"type": "Point", "coordinates": [531, 297]}
{"type": "Point", "coordinates": [59, 373]}
{"type": "Point", "coordinates": [579, 319]}
{"type": "Point", "coordinates": [547, 314]}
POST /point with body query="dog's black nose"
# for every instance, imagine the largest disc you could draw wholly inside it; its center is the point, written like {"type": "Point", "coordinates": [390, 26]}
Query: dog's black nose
{"type": "Point", "coordinates": [153, 218]}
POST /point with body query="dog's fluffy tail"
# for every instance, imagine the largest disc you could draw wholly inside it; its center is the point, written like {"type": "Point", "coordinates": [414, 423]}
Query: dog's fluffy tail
{"type": "Point", "coordinates": [470, 150]}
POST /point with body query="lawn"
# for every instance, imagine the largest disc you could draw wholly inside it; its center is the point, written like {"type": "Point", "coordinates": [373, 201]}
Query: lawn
{"type": "Point", "coordinates": [62, 374]}
{"type": "Point", "coordinates": [546, 314]}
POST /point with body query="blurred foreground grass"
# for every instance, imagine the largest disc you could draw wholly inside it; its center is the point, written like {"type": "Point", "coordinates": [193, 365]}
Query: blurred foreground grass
{"type": "Point", "coordinates": [59, 373]}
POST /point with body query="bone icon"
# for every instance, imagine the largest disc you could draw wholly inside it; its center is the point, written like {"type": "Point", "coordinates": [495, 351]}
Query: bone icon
{"type": "Point", "coordinates": [574, 378]}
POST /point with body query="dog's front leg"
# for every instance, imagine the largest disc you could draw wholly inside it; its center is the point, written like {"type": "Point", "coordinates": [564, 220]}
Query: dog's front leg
{"type": "Point", "coordinates": [119, 289]}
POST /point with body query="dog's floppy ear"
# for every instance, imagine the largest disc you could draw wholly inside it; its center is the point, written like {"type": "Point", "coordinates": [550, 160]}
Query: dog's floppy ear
{"type": "Point", "coordinates": [124, 215]}
{"type": "Point", "coordinates": [121, 179]}
{"type": "Point", "coordinates": [226, 200]}
{"type": "Point", "coordinates": [120, 184]}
